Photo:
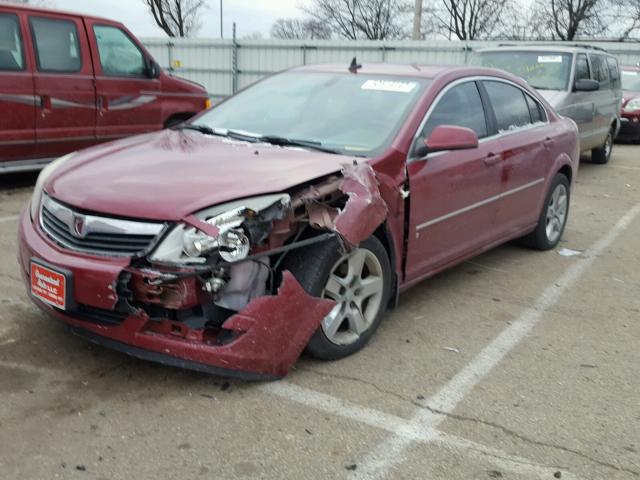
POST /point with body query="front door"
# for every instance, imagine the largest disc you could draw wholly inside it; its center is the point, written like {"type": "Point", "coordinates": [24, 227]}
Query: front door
{"type": "Point", "coordinates": [453, 193]}
{"type": "Point", "coordinates": [64, 83]}
{"type": "Point", "coordinates": [17, 101]}
{"type": "Point", "coordinates": [129, 100]}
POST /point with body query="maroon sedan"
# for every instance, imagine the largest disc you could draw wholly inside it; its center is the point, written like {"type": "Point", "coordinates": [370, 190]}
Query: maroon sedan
{"type": "Point", "coordinates": [290, 216]}
{"type": "Point", "coordinates": [630, 115]}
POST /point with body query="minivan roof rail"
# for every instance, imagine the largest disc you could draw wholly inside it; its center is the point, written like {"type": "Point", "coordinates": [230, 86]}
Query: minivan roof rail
{"type": "Point", "coordinates": [550, 44]}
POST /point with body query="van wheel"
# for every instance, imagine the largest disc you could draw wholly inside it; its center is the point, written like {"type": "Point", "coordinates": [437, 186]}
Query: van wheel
{"type": "Point", "coordinates": [603, 154]}
{"type": "Point", "coordinates": [360, 284]}
{"type": "Point", "coordinates": [553, 217]}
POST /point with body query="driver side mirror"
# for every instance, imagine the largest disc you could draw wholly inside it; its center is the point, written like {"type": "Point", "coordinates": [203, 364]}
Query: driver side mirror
{"type": "Point", "coordinates": [153, 69]}
{"type": "Point", "coordinates": [447, 137]}
{"type": "Point", "coordinates": [586, 85]}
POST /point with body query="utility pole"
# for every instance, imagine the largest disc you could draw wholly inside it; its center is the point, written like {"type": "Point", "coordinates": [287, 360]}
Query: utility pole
{"type": "Point", "coordinates": [417, 21]}
{"type": "Point", "coordinates": [221, 34]}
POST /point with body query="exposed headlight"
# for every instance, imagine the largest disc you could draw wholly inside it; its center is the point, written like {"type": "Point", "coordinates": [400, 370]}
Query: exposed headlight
{"type": "Point", "coordinates": [45, 173]}
{"type": "Point", "coordinates": [238, 224]}
{"type": "Point", "coordinates": [632, 105]}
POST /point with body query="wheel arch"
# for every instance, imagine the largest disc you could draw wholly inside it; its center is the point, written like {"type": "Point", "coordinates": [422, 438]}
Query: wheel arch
{"type": "Point", "coordinates": [383, 233]}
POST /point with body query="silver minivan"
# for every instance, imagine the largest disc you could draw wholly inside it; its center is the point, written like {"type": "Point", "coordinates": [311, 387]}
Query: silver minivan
{"type": "Point", "coordinates": [580, 82]}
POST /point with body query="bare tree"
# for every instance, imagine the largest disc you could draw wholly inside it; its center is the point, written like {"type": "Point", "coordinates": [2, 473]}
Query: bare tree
{"type": "Point", "coordinates": [473, 19]}
{"type": "Point", "coordinates": [300, 29]}
{"type": "Point", "coordinates": [569, 19]}
{"type": "Point", "coordinates": [363, 19]}
{"type": "Point", "coordinates": [177, 18]}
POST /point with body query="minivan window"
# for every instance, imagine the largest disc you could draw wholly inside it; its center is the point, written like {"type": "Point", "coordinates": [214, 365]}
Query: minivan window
{"type": "Point", "coordinates": [614, 72]}
{"type": "Point", "coordinates": [57, 45]}
{"type": "Point", "coordinates": [600, 69]}
{"type": "Point", "coordinates": [119, 56]}
{"type": "Point", "coordinates": [509, 105]}
{"type": "Point", "coordinates": [542, 70]}
{"type": "Point", "coordinates": [582, 67]}
{"type": "Point", "coordinates": [11, 57]}
{"type": "Point", "coordinates": [460, 106]}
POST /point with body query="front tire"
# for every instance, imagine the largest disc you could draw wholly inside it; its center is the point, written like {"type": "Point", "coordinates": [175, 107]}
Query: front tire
{"type": "Point", "coordinates": [360, 283]}
{"type": "Point", "coordinates": [603, 154]}
{"type": "Point", "coordinates": [553, 217]}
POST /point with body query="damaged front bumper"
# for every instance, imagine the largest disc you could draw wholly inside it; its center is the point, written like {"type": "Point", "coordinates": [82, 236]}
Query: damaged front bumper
{"type": "Point", "coordinates": [261, 341]}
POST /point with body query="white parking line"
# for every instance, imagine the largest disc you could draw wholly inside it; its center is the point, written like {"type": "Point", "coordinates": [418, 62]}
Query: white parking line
{"type": "Point", "coordinates": [392, 451]}
{"type": "Point", "coordinates": [10, 218]}
{"type": "Point", "coordinates": [413, 433]}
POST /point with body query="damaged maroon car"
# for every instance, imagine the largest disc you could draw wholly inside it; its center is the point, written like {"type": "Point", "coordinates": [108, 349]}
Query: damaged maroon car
{"type": "Point", "coordinates": [291, 216]}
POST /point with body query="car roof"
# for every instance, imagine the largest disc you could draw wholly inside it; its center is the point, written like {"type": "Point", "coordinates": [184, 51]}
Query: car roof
{"type": "Point", "coordinates": [35, 9]}
{"type": "Point", "coordinates": [546, 47]}
{"type": "Point", "coordinates": [398, 69]}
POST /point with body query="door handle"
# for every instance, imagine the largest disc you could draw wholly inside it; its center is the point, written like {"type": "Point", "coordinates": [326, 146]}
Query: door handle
{"type": "Point", "coordinates": [492, 159]}
{"type": "Point", "coordinates": [548, 143]}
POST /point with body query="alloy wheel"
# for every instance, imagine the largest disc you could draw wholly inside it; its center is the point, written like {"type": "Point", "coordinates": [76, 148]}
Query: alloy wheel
{"type": "Point", "coordinates": [557, 213]}
{"type": "Point", "coordinates": [356, 283]}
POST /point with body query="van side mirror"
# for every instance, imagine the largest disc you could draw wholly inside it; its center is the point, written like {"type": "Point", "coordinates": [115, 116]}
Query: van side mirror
{"type": "Point", "coordinates": [586, 85]}
{"type": "Point", "coordinates": [447, 137]}
{"type": "Point", "coordinates": [153, 69]}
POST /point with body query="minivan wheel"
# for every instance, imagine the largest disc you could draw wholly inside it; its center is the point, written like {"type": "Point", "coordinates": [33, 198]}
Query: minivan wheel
{"type": "Point", "coordinates": [553, 217]}
{"type": "Point", "coordinates": [358, 281]}
{"type": "Point", "coordinates": [603, 154]}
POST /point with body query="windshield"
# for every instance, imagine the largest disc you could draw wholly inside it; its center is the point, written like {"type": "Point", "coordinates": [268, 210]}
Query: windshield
{"type": "Point", "coordinates": [631, 80]}
{"type": "Point", "coordinates": [352, 114]}
{"type": "Point", "coordinates": [541, 70]}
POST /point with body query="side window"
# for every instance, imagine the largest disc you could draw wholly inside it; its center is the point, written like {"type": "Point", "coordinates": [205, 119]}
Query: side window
{"type": "Point", "coordinates": [461, 106]}
{"type": "Point", "coordinates": [509, 105]}
{"type": "Point", "coordinates": [582, 67]}
{"type": "Point", "coordinates": [11, 56]}
{"type": "Point", "coordinates": [535, 110]}
{"type": "Point", "coordinates": [614, 73]}
{"type": "Point", "coordinates": [57, 45]}
{"type": "Point", "coordinates": [119, 56]}
{"type": "Point", "coordinates": [600, 69]}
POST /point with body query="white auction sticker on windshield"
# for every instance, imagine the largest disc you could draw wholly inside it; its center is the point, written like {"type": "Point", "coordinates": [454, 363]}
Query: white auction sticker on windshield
{"type": "Point", "coordinates": [549, 58]}
{"type": "Point", "coordinates": [389, 86]}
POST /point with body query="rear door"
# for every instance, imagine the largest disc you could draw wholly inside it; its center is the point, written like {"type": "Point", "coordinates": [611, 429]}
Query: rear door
{"type": "Point", "coordinates": [606, 106]}
{"type": "Point", "coordinates": [129, 100]}
{"type": "Point", "coordinates": [527, 141]}
{"type": "Point", "coordinates": [453, 193]}
{"type": "Point", "coordinates": [64, 83]}
{"type": "Point", "coordinates": [17, 101]}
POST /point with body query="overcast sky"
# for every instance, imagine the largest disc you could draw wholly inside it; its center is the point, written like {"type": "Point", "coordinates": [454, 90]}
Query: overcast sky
{"type": "Point", "coordinates": [250, 15]}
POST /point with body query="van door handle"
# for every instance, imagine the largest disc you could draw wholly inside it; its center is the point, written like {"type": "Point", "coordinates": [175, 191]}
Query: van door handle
{"type": "Point", "coordinates": [492, 159]}
{"type": "Point", "coordinates": [548, 143]}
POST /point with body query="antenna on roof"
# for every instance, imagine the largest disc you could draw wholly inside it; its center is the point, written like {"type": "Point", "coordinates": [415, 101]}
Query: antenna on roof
{"type": "Point", "coordinates": [355, 66]}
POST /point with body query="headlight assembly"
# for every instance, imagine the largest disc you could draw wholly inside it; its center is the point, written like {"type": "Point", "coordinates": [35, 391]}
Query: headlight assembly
{"type": "Point", "coordinates": [240, 224]}
{"type": "Point", "coordinates": [632, 105]}
{"type": "Point", "coordinates": [45, 173]}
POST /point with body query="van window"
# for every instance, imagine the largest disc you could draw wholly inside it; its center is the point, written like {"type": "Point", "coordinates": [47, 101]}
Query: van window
{"type": "Point", "coordinates": [600, 69]}
{"type": "Point", "coordinates": [614, 73]}
{"type": "Point", "coordinates": [119, 56]}
{"type": "Point", "coordinates": [11, 57]}
{"type": "Point", "coordinates": [509, 105]}
{"type": "Point", "coordinates": [57, 45]}
{"type": "Point", "coordinates": [461, 106]}
{"type": "Point", "coordinates": [582, 68]}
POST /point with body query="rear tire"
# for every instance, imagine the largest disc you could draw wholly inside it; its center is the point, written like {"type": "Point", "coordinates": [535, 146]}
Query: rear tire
{"type": "Point", "coordinates": [553, 217]}
{"type": "Point", "coordinates": [362, 297]}
{"type": "Point", "coordinates": [603, 154]}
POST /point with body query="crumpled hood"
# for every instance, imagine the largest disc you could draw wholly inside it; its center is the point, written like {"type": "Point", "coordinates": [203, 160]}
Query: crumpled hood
{"type": "Point", "coordinates": [170, 174]}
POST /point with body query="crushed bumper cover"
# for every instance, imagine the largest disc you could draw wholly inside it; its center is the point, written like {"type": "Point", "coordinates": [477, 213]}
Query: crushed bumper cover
{"type": "Point", "coordinates": [267, 336]}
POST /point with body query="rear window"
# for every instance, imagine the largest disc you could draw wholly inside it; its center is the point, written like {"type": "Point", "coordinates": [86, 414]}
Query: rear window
{"type": "Point", "coordinates": [542, 70]}
{"type": "Point", "coordinates": [57, 46]}
{"type": "Point", "coordinates": [11, 56]}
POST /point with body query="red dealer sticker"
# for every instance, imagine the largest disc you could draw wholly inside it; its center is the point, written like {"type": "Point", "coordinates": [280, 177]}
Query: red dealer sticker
{"type": "Point", "coordinates": [48, 285]}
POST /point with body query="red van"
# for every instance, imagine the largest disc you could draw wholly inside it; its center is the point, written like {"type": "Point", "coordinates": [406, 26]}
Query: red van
{"type": "Point", "coordinates": [68, 81]}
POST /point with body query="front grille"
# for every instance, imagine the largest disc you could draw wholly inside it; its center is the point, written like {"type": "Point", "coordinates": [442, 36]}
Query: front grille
{"type": "Point", "coordinates": [95, 234]}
